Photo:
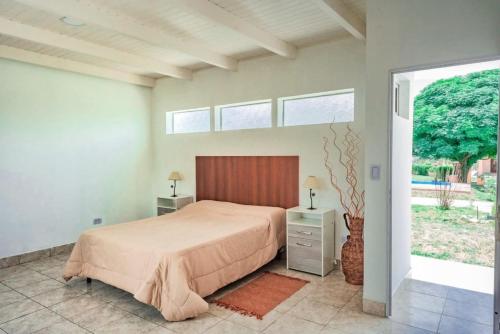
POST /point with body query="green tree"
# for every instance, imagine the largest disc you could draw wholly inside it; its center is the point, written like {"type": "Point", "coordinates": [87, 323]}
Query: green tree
{"type": "Point", "coordinates": [457, 119]}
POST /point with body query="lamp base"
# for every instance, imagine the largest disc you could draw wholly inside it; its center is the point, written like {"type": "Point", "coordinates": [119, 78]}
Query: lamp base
{"type": "Point", "coordinates": [174, 195]}
{"type": "Point", "coordinates": [311, 208]}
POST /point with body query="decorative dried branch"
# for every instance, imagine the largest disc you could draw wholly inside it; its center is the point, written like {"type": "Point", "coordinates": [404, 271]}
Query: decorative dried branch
{"type": "Point", "coordinates": [352, 200]}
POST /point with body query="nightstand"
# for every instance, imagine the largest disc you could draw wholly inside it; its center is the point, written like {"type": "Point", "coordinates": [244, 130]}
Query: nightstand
{"type": "Point", "coordinates": [310, 240]}
{"type": "Point", "coordinates": [170, 204]}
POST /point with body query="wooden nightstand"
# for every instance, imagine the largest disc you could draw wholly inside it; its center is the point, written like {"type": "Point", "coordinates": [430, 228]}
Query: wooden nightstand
{"type": "Point", "coordinates": [310, 240]}
{"type": "Point", "coordinates": [170, 204]}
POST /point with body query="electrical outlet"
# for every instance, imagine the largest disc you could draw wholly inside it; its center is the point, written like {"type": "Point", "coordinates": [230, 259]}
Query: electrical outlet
{"type": "Point", "coordinates": [97, 221]}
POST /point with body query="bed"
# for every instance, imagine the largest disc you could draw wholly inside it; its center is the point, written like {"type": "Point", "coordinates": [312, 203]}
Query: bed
{"type": "Point", "coordinates": [173, 261]}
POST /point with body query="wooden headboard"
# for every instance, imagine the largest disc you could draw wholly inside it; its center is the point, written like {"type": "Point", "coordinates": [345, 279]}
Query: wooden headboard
{"type": "Point", "coordinates": [254, 180]}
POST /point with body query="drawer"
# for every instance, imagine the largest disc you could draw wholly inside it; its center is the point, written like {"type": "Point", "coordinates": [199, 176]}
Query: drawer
{"type": "Point", "coordinates": [163, 211]}
{"type": "Point", "coordinates": [304, 255]}
{"type": "Point", "coordinates": [305, 232]}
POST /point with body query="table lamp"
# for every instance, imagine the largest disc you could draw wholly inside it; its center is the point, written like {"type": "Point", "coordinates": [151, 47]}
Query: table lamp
{"type": "Point", "coordinates": [311, 182]}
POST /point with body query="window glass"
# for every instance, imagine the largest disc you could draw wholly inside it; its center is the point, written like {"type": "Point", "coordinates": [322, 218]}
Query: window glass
{"type": "Point", "coordinates": [251, 115]}
{"type": "Point", "coordinates": [188, 121]}
{"type": "Point", "coordinates": [318, 108]}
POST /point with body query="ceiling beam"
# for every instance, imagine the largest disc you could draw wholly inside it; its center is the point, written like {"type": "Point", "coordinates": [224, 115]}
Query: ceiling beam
{"type": "Point", "coordinates": [222, 17]}
{"type": "Point", "coordinates": [344, 16]}
{"type": "Point", "coordinates": [8, 52]}
{"type": "Point", "coordinates": [37, 35]}
{"type": "Point", "coordinates": [96, 14]}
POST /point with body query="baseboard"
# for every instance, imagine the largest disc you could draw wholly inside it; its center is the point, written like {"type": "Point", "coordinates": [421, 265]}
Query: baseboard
{"type": "Point", "coordinates": [36, 255]}
{"type": "Point", "coordinates": [373, 307]}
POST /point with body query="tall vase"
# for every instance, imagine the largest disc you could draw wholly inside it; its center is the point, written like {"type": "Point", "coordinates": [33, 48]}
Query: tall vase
{"type": "Point", "coordinates": [353, 250]}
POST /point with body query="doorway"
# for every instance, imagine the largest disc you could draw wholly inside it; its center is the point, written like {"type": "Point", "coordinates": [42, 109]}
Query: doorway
{"type": "Point", "coordinates": [444, 123]}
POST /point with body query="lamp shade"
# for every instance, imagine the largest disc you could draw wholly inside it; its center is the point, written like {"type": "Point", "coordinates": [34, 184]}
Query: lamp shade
{"type": "Point", "coordinates": [311, 182]}
{"type": "Point", "coordinates": [175, 176]}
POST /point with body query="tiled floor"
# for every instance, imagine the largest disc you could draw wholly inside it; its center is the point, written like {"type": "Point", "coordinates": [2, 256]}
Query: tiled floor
{"type": "Point", "coordinates": [34, 299]}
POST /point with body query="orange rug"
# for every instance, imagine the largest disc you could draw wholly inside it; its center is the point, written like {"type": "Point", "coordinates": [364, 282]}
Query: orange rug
{"type": "Point", "coordinates": [260, 296]}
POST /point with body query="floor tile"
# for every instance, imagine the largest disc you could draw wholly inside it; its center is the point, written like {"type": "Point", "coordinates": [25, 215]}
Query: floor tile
{"type": "Point", "coordinates": [99, 317]}
{"type": "Point", "coordinates": [39, 287]}
{"type": "Point", "coordinates": [425, 288]}
{"type": "Point", "coordinates": [354, 322]}
{"type": "Point", "coordinates": [356, 302]}
{"type": "Point", "coordinates": [62, 327]}
{"type": "Point", "coordinates": [196, 325]}
{"type": "Point", "coordinates": [10, 297]}
{"type": "Point", "coordinates": [4, 288]}
{"type": "Point", "coordinates": [450, 325]}
{"type": "Point", "coordinates": [131, 325]}
{"type": "Point", "coordinates": [396, 328]}
{"type": "Point", "coordinates": [81, 284]}
{"type": "Point", "coordinates": [149, 313]}
{"type": "Point", "coordinates": [292, 325]}
{"type": "Point", "coordinates": [24, 278]}
{"type": "Point", "coordinates": [219, 311]}
{"type": "Point", "coordinates": [34, 256]}
{"type": "Point", "coordinates": [109, 293]}
{"type": "Point", "coordinates": [74, 307]}
{"type": "Point", "coordinates": [471, 297]}
{"type": "Point", "coordinates": [416, 317]}
{"type": "Point", "coordinates": [332, 296]}
{"type": "Point", "coordinates": [254, 323]}
{"type": "Point", "coordinates": [54, 273]}
{"type": "Point", "coordinates": [123, 300]}
{"type": "Point", "coordinates": [470, 312]}
{"type": "Point", "coordinates": [56, 296]}
{"type": "Point", "coordinates": [313, 311]}
{"type": "Point", "coordinates": [12, 271]}
{"type": "Point", "coordinates": [404, 298]}
{"type": "Point", "coordinates": [227, 327]}
{"type": "Point", "coordinates": [332, 330]}
{"type": "Point", "coordinates": [288, 304]}
{"type": "Point", "coordinates": [18, 309]}
{"type": "Point", "coordinates": [62, 257]}
{"type": "Point", "coordinates": [44, 264]}
{"type": "Point", "coordinates": [32, 322]}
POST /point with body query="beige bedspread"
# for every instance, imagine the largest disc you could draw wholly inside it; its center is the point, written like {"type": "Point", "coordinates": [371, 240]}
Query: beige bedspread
{"type": "Point", "coordinates": [172, 261]}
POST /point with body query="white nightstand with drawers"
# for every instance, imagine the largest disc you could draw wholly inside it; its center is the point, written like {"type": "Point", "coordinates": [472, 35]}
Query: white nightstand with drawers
{"type": "Point", "coordinates": [310, 240]}
{"type": "Point", "coordinates": [168, 204]}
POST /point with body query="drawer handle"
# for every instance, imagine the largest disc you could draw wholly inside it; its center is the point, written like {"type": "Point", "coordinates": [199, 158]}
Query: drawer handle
{"type": "Point", "coordinates": [304, 245]}
{"type": "Point", "coordinates": [304, 232]}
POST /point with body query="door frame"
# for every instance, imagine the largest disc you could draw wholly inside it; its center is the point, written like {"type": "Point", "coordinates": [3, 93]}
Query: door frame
{"type": "Point", "coordinates": [392, 73]}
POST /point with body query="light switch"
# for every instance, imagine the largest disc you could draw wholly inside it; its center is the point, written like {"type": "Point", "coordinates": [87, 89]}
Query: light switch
{"type": "Point", "coordinates": [375, 172]}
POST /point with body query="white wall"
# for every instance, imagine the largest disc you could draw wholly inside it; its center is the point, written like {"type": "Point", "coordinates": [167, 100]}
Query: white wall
{"type": "Point", "coordinates": [330, 66]}
{"type": "Point", "coordinates": [402, 140]}
{"type": "Point", "coordinates": [400, 34]}
{"type": "Point", "coordinates": [72, 148]}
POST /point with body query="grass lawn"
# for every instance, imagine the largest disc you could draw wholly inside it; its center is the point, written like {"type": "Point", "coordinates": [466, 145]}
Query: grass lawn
{"type": "Point", "coordinates": [441, 234]}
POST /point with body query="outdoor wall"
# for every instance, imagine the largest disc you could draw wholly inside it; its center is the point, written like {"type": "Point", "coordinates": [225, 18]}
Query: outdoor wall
{"type": "Point", "coordinates": [404, 33]}
{"type": "Point", "coordinates": [72, 148]}
{"type": "Point", "coordinates": [330, 66]}
{"type": "Point", "coordinates": [402, 139]}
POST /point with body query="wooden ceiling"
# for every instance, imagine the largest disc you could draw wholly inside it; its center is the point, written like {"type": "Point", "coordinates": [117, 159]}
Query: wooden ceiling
{"type": "Point", "coordinates": [138, 41]}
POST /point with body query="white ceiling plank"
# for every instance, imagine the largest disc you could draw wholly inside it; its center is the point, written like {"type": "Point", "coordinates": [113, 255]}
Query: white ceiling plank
{"type": "Point", "coordinates": [37, 35]}
{"type": "Point", "coordinates": [344, 16]}
{"type": "Point", "coordinates": [8, 52]}
{"type": "Point", "coordinates": [225, 18]}
{"type": "Point", "coordinates": [93, 13]}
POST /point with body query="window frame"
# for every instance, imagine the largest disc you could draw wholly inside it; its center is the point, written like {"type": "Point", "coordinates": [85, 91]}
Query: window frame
{"type": "Point", "coordinates": [218, 114]}
{"type": "Point", "coordinates": [280, 122]}
{"type": "Point", "coordinates": [169, 120]}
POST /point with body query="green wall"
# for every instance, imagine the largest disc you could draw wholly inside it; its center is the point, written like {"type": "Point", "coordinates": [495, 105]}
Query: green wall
{"type": "Point", "coordinates": [72, 148]}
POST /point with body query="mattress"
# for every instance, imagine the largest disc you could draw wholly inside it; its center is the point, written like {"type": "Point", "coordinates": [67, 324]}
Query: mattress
{"type": "Point", "coordinates": [173, 261]}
